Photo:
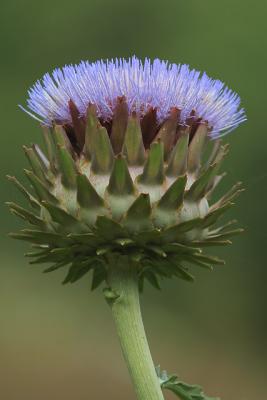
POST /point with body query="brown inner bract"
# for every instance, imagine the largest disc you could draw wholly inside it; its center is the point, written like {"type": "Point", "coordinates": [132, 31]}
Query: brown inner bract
{"type": "Point", "coordinates": [151, 129]}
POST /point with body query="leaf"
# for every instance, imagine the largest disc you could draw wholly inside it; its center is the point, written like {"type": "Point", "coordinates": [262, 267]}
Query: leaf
{"type": "Point", "coordinates": [152, 279]}
{"type": "Point", "coordinates": [77, 271]}
{"type": "Point", "coordinates": [183, 390]}
{"type": "Point", "coordinates": [99, 276]}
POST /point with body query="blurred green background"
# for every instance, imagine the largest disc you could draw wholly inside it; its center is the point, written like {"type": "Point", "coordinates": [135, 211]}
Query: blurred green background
{"type": "Point", "coordinates": [58, 342]}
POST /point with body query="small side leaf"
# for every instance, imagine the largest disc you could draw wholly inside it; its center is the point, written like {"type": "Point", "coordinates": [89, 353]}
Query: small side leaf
{"type": "Point", "coordinates": [183, 390]}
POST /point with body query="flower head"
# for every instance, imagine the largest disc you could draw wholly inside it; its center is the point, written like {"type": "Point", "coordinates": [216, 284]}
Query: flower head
{"type": "Point", "coordinates": [152, 85]}
{"type": "Point", "coordinates": [123, 174]}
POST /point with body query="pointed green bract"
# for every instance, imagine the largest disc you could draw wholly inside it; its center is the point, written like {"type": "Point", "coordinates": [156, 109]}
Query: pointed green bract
{"type": "Point", "coordinates": [153, 173]}
{"type": "Point", "coordinates": [102, 159]}
{"type": "Point", "coordinates": [41, 190]}
{"type": "Point", "coordinates": [67, 168]}
{"type": "Point", "coordinates": [173, 233]}
{"type": "Point", "coordinates": [166, 211]}
{"type": "Point", "coordinates": [178, 158]}
{"type": "Point", "coordinates": [133, 146]}
{"type": "Point", "coordinates": [196, 147]}
{"type": "Point", "coordinates": [120, 182]}
{"type": "Point", "coordinates": [90, 131]}
{"type": "Point", "coordinates": [90, 202]}
{"type": "Point", "coordinates": [26, 215]}
{"type": "Point", "coordinates": [119, 125]}
{"type": "Point", "coordinates": [168, 130]}
{"type": "Point", "coordinates": [61, 216]}
{"type": "Point", "coordinates": [87, 196]}
{"type": "Point", "coordinates": [173, 198]}
{"type": "Point", "coordinates": [120, 191]}
{"type": "Point", "coordinates": [32, 200]}
{"type": "Point", "coordinates": [204, 183]}
{"type": "Point", "coordinates": [50, 147]}
{"type": "Point", "coordinates": [37, 166]}
{"type": "Point", "coordinates": [60, 137]}
{"type": "Point", "coordinates": [138, 215]}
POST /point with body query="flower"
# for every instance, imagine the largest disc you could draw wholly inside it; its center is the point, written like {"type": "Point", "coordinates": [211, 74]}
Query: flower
{"type": "Point", "coordinates": [123, 175]}
{"type": "Point", "coordinates": [150, 85]}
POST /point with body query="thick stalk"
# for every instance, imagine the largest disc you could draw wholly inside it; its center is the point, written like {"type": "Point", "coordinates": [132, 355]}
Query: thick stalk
{"type": "Point", "coordinates": [124, 301]}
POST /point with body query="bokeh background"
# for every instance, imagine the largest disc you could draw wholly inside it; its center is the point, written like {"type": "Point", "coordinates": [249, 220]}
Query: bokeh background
{"type": "Point", "coordinates": [58, 342]}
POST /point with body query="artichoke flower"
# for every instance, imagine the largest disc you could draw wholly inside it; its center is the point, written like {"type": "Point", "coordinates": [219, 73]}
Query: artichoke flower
{"type": "Point", "coordinates": [123, 174]}
{"type": "Point", "coordinates": [132, 156]}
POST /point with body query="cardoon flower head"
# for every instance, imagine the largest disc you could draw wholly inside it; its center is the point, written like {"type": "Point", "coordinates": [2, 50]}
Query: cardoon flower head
{"type": "Point", "coordinates": [147, 86]}
{"type": "Point", "coordinates": [122, 188]}
{"type": "Point", "coordinates": [122, 174]}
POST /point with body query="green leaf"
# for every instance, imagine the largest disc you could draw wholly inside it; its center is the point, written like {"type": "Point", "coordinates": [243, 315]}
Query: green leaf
{"type": "Point", "coordinates": [183, 390]}
{"type": "Point", "coordinates": [43, 238]}
{"type": "Point", "coordinates": [152, 279]}
{"type": "Point", "coordinates": [77, 271]}
{"type": "Point", "coordinates": [99, 276]}
{"type": "Point", "coordinates": [55, 267]}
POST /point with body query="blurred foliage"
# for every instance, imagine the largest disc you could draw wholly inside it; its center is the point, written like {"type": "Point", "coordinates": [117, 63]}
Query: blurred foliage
{"type": "Point", "coordinates": [58, 342]}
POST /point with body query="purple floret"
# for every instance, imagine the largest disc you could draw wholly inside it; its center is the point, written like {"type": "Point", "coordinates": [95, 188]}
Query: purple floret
{"type": "Point", "coordinates": [152, 84]}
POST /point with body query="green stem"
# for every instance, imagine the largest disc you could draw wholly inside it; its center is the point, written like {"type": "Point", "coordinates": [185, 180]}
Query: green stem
{"type": "Point", "coordinates": [124, 301]}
